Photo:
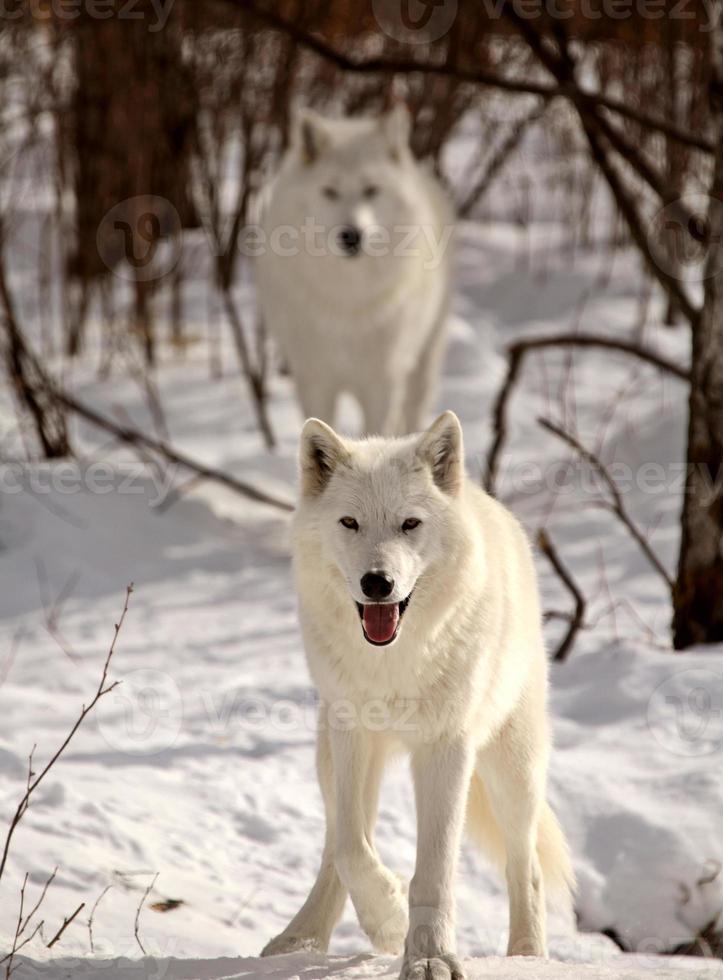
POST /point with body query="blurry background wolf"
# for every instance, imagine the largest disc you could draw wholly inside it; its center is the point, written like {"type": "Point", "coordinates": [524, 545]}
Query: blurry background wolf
{"type": "Point", "coordinates": [354, 278]}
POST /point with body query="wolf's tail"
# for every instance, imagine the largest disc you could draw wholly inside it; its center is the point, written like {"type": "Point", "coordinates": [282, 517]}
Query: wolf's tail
{"type": "Point", "coordinates": [552, 849]}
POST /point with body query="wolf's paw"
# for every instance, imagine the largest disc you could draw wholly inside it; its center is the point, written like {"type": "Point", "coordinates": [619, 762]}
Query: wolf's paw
{"type": "Point", "coordinates": [293, 944]}
{"type": "Point", "coordinates": [385, 918]}
{"type": "Point", "coordinates": [446, 966]}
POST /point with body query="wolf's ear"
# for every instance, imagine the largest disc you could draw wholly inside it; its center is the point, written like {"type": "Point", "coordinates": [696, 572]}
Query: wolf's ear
{"type": "Point", "coordinates": [320, 453]}
{"type": "Point", "coordinates": [311, 135]}
{"type": "Point", "coordinates": [442, 448]}
{"type": "Point", "coordinates": [396, 127]}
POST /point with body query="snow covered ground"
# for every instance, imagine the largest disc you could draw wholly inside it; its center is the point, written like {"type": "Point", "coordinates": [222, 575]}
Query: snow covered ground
{"type": "Point", "coordinates": [363, 966]}
{"type": "Point", "coordinates": [199, 767]}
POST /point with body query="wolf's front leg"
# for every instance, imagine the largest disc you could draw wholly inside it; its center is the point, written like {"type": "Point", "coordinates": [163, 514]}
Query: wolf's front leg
{"type": "Point", "coordinates": [312, 926]}
{"type": "Point", "coordinates": [442, 772]}
{"type": "Point", "coordinates": [377, 894]}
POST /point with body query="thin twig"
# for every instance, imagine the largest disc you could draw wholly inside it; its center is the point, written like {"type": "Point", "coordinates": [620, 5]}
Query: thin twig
{"type": "Point", "coordinates": [22, 925]}
{"type": "Point", "coordinates": [146, 893]}
{"type": "Point", "coordinates": [32, 784]}
{"type": "Point", "coordinates": [14, 947]}
{"type": "Point", "coordinates": [616, 504]}
{"type": "Point", "coordinates": [576, 619]}
{"type": "Point", "coordinates": [254, 375]}
{"type": "Point", "coordinates": [39, 902]}
{"type": "Point", "coordinates": [499, 159]}
{"type": "Point", "coordinates": [91, 917]}
{"type": "Point", "coordinates": [66, 923]}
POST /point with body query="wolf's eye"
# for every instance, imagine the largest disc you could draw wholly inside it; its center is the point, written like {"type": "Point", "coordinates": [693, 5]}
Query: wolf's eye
{"type": "Point", "coordinates": [370, 191]}
{"type": "Point", "coordinates": [331, 193]}
{"type": "Point", "coordinates": [411, 523]}
{"type": "Point", "coordinates": [349, 523]}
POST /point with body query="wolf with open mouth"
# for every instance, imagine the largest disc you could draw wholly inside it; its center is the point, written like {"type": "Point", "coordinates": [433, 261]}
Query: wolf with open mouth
{"type": "Point", "coordinates": [421, 621]}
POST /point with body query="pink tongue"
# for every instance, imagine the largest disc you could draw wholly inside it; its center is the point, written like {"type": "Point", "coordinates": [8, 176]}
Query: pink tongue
{"type": "Point", "coordinates": [380, 620]}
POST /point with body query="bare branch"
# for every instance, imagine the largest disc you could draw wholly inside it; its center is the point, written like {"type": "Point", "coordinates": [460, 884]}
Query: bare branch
{"type": "Point", "coordinates": [562, 66]}
{"type": "Point", "coordinates": [515, 355]}
{"type": "Point", "coordinates": [254, 376]}
{"type": "Point", "coordinates": [314, 43]}
{"type": "Point", "coordinates": [28, 377]}
{"type": "Point", "coordinates": [24, 922]}
{"type": "Point", "coordinates": [33, 783]}
{"type": "Point", "coordinates": [500, 158]}
{"type": "Point", "coordinates": [16, 949]}
{"type": "Point", "coordinates": [18, 928]}
{"type": "Point", "coordinates": [136, 438]}
{"type": "Point", "coordinates": [634, 158]}
{"type": "Point", "coordinates": [91, 917]}
{"type": "Point", "coordinates": [616, 504]}
{"type": "Point", "coordinates": [39, 902]}
{"type": "Point", "coordinates": [626, 203]}
{"type": "Point", "coordinates": [136, 928]}
{"type": "Point", "coordinates": [66, 923]}
{"type": "Point", "coordinates": [576, 619]}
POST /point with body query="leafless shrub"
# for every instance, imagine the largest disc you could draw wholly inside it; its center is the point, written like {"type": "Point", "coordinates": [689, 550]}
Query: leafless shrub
{"type": "Point", "coordinates": [27, 928]}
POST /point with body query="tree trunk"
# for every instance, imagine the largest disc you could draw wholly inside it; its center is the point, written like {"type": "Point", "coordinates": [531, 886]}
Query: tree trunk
{"type": "Point", "coordinates": [698, 592]}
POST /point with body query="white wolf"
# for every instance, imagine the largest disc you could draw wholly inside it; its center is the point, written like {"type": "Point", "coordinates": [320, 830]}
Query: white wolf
{"type": "Point", "coordinates": [353, 279]}
{"type": "Point", "coordinates": [421, 621]}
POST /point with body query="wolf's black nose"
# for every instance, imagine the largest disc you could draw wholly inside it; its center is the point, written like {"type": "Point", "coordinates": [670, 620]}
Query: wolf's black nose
{"type": "Point", "coordinates": [377, 585]}
{"type": "Point", "coordinates": [350, 240]}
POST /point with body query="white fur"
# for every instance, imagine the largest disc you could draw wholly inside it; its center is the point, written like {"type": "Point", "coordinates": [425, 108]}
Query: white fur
{"type": "Point", "coordinates": [371, 325]}
{"type": "Point", "coordinates": [462, 688]}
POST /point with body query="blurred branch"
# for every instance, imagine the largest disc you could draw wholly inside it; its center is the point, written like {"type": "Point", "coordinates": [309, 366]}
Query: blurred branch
{"type": "Point", "coordinates": [635, 159]}
{"type": "Point", "coordinates": [28, 379]}
{"type": "Point", "coordinates": [616, 504]}
{"type": "Point", "coordinates": [576, 619]}
{"type": "Point", "coordinates": [500, 157]}
{"type": "Point", "coordinates": [515, 355]}
{"type": "Point", "coordinates": [225, 230]}
{"type": "Point", "coordinates": [313, 42]}
{"type": "Point", "coordinates": [255, 376]}
{"type": "Point", "coordinates": [626, 202]}
{"type": "Point", "coordinates": [136, 438]}
{"type": "Point", "coordinates": [562, 66]}
{"type": "Point", "coordinates": [43, 387]}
